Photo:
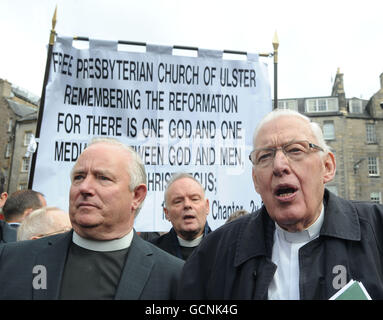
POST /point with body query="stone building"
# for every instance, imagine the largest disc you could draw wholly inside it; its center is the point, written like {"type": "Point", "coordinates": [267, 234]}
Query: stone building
{"type": "Point", "coordinates": [353, 128]}
{"type": "Point", "coordinates": [19, 111]}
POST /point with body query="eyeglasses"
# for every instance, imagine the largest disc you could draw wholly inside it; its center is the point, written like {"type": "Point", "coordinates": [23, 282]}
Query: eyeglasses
{"type": "Point", "coordinates": [295, 151]}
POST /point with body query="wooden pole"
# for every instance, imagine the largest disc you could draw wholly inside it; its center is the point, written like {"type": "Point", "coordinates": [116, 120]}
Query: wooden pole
{"type": "Point", "coordinates": [42, 99]}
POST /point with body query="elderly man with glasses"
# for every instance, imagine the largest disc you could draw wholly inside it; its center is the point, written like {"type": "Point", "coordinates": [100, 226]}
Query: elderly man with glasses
{"type": "Point", "coordinates": [304, 242]}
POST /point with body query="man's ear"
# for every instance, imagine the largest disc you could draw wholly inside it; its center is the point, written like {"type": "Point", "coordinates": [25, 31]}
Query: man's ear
{"type": "Point", "coordinates": [329, 167]}
{"type": "Point", "coordinates": [256, 186]}
{"type": "Point", "coordinates": [139, 196]}
{"type": "Point", "coordinates": [207, 206]}
{"type": "Point", "coordinates": [27, 212]}
{"type": "Point", "coordinates": [3, 198]}
{"type": "Point", "coordinates": [166, 212]}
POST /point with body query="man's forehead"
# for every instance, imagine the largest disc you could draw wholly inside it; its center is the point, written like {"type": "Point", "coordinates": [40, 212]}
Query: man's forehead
{"type": "Point", "coordinates": [101, 147]}
{"type": "Point", "coordinates": [99, 160]}
{"type": "Point", "coordinates": [283, 129]}
{"type": "Point", "coordinates": [185, 185]}
{"type": "Point", "coordinates": [102, 152]}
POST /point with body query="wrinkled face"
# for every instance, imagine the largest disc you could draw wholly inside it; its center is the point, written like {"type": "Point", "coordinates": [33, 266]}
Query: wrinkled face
{"type": "Point", "coordinates": [101, 205]}
{"type": "Point", "coordinates": [187, 208]}
{"type": "Point", "coordinates": [292, 191]}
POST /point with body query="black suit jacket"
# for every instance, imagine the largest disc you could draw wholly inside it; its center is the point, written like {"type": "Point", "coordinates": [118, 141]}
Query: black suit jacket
{"type": "Point", "coordinates": [169, 241]}
{"type": "Point", "coordinates": [7, 233]}
{"type": "Point", "coordinates": [148, 274]}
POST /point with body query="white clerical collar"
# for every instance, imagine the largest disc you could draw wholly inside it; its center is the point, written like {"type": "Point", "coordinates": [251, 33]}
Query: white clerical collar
{"type": "Point", "coordinates": [190, 244]}
{"type": "Point", "coordinates": [103, 245]}
{"type": "Point", "coordinates": [305, 235]}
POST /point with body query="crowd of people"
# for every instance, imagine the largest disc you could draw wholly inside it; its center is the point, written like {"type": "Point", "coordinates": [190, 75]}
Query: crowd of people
{"type": "Point", "coordinates": [303, 243]}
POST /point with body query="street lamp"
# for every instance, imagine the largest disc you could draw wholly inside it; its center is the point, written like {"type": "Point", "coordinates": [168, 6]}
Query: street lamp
{"type": "Point", "coordinates": [275, 45]}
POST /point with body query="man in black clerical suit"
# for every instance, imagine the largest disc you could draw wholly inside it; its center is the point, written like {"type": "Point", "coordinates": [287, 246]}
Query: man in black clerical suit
{"type": "Point", "coordinates": [103, 257]}
{"type": "Point", "coordinates": [304, 243]}
{"type": "Point", "coordinates": [186, 207]}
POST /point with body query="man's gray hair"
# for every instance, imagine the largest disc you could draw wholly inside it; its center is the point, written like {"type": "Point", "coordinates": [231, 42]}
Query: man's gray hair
{"type": "Point", "coordinates": [177, 176]}
{"type": "Point", "coordinates": [135, 168]}
{"type": "Point", "coordinates": [315, 128]}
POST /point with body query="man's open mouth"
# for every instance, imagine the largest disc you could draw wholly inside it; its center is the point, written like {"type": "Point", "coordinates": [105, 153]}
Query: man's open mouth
{"type": "Point", "coordinates": [285, 191]}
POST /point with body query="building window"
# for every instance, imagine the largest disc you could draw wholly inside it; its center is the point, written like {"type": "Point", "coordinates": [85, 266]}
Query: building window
{"type": "Point", "coordinates": [7, 151]}
{"type": "Point", "coordinates": [288, 104]}
{"type": "Point", "coordinates": [27, 137]}
{"type": "Point", "coordinates": [328, 130]}
{"type": "Point", "coordinates": [25, 164]}
{"type": "Point", "coordinates": [321, 105]}
{"type": "Point", "coordinates": [376, 197]}
{"type": "Point", "coordinates": [10, 122]}
{"type": "Point", "coordinates": [23, 186]}
{"type": "Point", "coordinates": [355, 106]}
{"type": "Point", "coordinates": [371, 133]}
{"type": "Point", "coordinates": [373, 166]}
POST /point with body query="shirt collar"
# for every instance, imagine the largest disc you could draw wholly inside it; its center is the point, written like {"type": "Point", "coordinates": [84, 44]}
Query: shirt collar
{"type": "Point", "coordinates": [193, 243]}
{"type": "Point", "coordinates": [305, 235]}
{"type": "Point", "coordinates": [103, 245]}
{"type": "Point", "coordinates": [255, 236]}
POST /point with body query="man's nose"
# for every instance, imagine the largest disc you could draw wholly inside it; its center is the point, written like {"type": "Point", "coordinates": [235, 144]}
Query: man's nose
{"type": "Point", "coordinates": [187, 203]}
{"type": "Point", "coordinates": [87, 186]}
{"type": "Point", "coordinates": [281, 164]}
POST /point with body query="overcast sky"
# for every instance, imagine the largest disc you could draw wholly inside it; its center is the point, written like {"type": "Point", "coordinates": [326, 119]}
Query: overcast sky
{"type": "Point", "coordinates": [316, 37]}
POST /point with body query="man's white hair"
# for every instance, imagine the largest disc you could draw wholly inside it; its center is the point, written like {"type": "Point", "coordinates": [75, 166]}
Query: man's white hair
{"type": "Point", "coordinates": [39, 222]}
{"type": "Point", "coordinates": [277, 113]}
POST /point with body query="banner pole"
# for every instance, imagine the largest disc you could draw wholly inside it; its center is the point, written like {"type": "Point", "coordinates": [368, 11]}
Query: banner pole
{"type": "Point", "coordinates": [143, 44]}
{"type": "Point", "coordinates": [42, 99]}
{"type": "Point", "coordinates": [275, 45]}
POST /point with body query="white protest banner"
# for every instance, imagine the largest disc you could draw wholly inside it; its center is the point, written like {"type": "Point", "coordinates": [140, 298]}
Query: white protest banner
{"type": "Point", "coordinates": [180, 113]}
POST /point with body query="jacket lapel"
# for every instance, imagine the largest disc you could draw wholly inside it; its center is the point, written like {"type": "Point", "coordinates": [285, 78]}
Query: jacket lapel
{"type": "Point", "coordinates": [137, 269]}
{"type": "Point", "coordinates": [255, 238]}
{"type": "Point", "coordinates": [52, 260]}
{"type": "Point", "coordinates": [340, 218]}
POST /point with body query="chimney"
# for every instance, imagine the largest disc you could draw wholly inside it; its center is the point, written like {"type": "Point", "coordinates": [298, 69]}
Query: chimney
{"type": "Point", "coordinates": [338, 87]}
{"type": "Point", "coordinates": [338, 91]}
{"type": "Point", "coordinates": [381, 80]}
{"type": "Point", "coordinates": [5, 88]}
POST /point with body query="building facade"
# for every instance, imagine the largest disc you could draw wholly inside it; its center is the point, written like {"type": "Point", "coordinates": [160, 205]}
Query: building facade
{"type": "Point", "coordinates": [19, 112]}
{"type": "Point", "coordinates": [353, 128]}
